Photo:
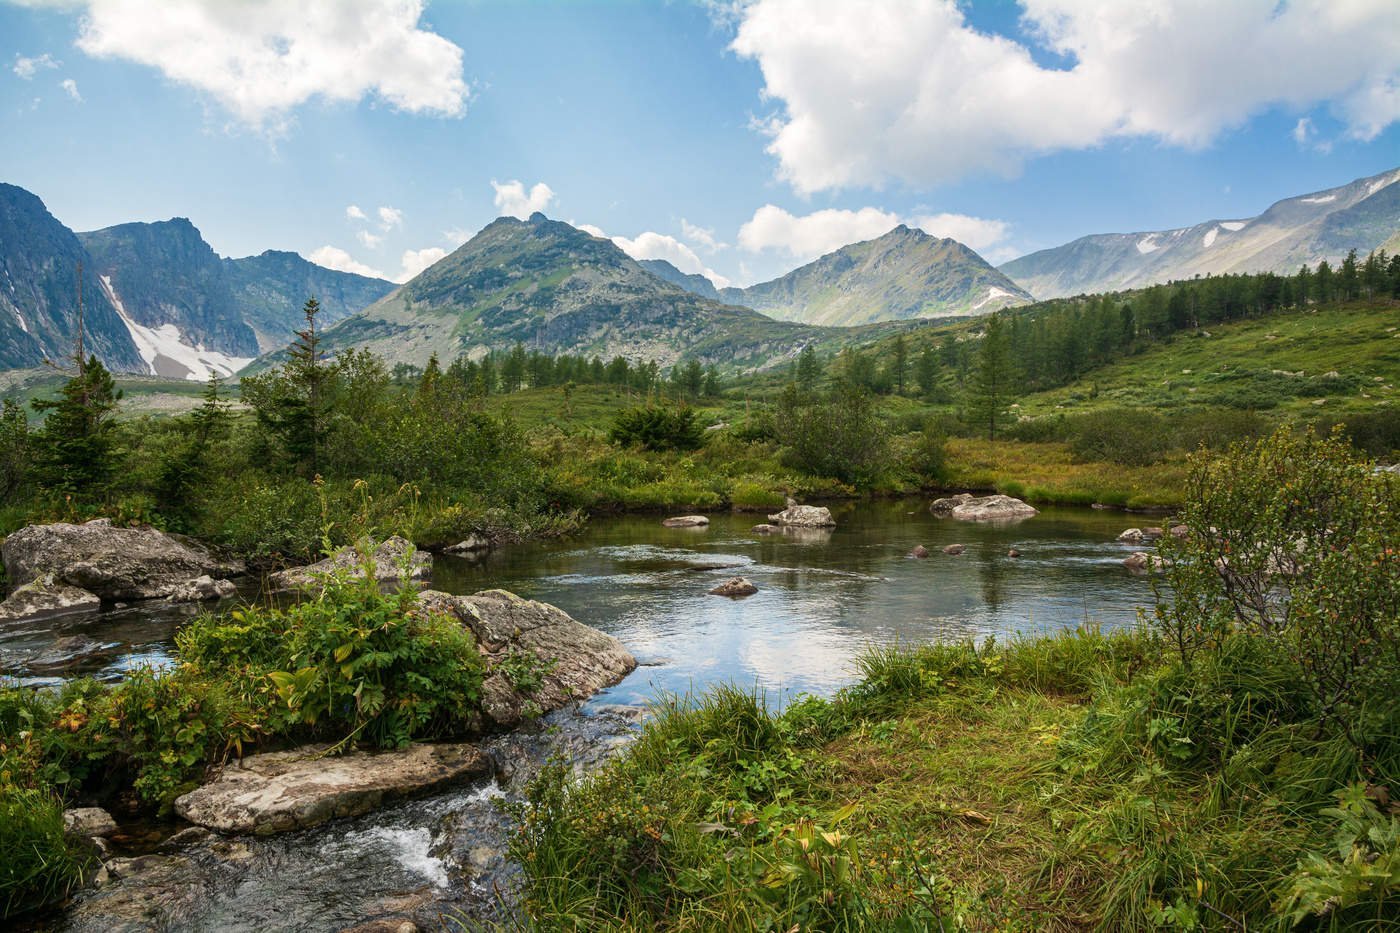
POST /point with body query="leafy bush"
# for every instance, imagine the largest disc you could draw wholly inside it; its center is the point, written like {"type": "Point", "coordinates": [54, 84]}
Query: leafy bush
{"type": "Point", "coordinates": [1362, 884]}
{"type": "Point", "coordinates": [1130, 436]}
{"type": "Point", "coordinates": [839, 435]}
{"type": "Point", "coordinates": [1376, 433]}
{"type": "Point", "coordinates": [657, 427]}
{"type": "Point", "coordinates": [353, 663]}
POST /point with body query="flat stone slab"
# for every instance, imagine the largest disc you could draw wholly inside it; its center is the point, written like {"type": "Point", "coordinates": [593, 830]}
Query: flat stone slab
{"type": "Point", "coordinates": [280, 791]}
{"type": "Point", "coordinates": [686, 521]}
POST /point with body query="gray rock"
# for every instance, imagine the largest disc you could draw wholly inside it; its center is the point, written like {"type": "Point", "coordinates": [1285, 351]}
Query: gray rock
{"type": "Point", "coordinates": [1142, 562]}
{"type": "Point", "coordinates": [686, 521]}
{"type": "Point", "coordinates": [804, 516]}
{"type": "Point", "coordinates": [948, 503]}
{"type": "Point", "coordinates": [202, 589]}
{"type": "Point", "coordinates": [388, 558]}
{"type": "Point", "coordinates": [1131, 536]}
{"type": "Point", "coordinates": [109, 562]}
{"type": "Point", "coordinates": [919, 551]}
{"type": "Point", "coordinates": [469, 544]}
{"type": "Point", "coordinates": [1179, 531]}
{"type": "Point", "coordinates": [281, 791]}
{"type": "Point", "coordinates": [734, 588]}
{"type": "Point", "coordinates": [954, 549]}
{"type": "Point", "coordinates": [766, 529]}
{"type": "Point", "coordinates": [574, 660]}
{"type": "Point", "coordinates": [992, 509]}
{"type": "Point", "coordinates": [45, 597]}
{"type": "Point", "coordinates": [88, 821]}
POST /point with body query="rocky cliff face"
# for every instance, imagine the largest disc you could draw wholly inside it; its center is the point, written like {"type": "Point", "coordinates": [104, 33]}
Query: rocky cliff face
{"type": "Point", "coordinates": [39, 262]}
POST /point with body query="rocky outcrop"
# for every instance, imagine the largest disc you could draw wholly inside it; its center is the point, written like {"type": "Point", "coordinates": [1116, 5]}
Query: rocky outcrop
{"type": "Point", "coordinates": [948, 503]}
{"type": "Point", "coordinates": [63, 561]}
{"type": "Point", "coordinates": [280, 791]}
{"type": "Point", "coordinates": [992, 509]}
{"type": "Point", "coordinates": [804, 516]}
{"type": "Point", "coordinates": [44, 597]}
{"type": "Point", "coordinates": [686, 521]}
{"type": "Point", "coordinates": [390, 558]}
{"type": "Point", "coordinates": [570, 660]}
{"type": "Point", "coordinates": [735, 588]}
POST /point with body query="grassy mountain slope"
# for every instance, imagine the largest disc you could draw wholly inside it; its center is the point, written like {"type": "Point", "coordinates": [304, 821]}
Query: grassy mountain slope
{"type": "Point", "coordinates": [903, 275]}
{"type": "Point", "coordinates": [554, 287]}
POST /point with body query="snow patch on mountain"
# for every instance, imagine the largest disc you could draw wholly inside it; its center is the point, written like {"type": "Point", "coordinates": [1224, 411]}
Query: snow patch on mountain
{"type": "Point", "coordinates": [993, 293]}
{"type": "Point", "coordinates": [1148, 244]}
{"type": "Point", "coordinates": [1209, 238]}
{"type": "Point", "coordinates": [1234, 225]}
{"type": "Point", "coordinates": [1324, 199]}
{"type": "Point", "coordinates": [167, 353]}
{"type": "Point", "coordinates": [1380, 183]}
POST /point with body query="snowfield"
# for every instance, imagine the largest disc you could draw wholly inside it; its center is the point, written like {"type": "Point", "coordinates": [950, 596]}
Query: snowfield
{"type": "Point", "coordinates": [167, 353]}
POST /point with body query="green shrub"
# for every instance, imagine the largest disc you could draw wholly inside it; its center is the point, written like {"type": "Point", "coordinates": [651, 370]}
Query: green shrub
{"type": "Point", "coordinates": [39, 865]}
{"type": "Point", "coordinates": [1376, 433]}
{"type": "Point", "coordinates": [839, 435]}
{"type": "Point", "coordinates": [351, 663]}
{"type": "Point", "coordinates": [1130, 436]}
{"type": "Point", "coordinates": [657, 427]}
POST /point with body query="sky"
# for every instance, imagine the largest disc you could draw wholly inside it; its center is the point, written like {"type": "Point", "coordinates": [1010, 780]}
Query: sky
{"type": "Point", "coordinates": [736, 138]}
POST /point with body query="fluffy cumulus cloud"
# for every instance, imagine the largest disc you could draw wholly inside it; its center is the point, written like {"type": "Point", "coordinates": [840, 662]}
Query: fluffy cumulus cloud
{"type": "Point", "coordinates": [390, 217]}
{"type": "Point", "coordinates": [353, 212]}
{"type": "Point", "coordinates": [333, 257]}
{"type": "Point", "coordinates": [70, 87]}
{"type": "Point", "coordinates": [653, 245]}
{"type": "Point", "coordinates": [27, 68]}
{"type": "Point", "coordinates": [703, 236]}
{"type": "Point", "coordinates": [513, 200]}
{"type": "Point", "coordinates": [804, 237]}
{"type": "Point", "coordinates": [415, 261]}
{"type": "Point", "coordinates": [260, 59]}
{"type": "Point", "coordinates": [907, 90]}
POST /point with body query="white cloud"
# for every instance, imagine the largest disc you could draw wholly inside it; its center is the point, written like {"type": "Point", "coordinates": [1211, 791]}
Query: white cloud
{"type": "Point", "coordinates": [977, 232]}
{"type": "Point", "coordinates": [812, 235]}
{"type": "Point", "coordinates": [333, 257]}
{"type": "Point", "coordinates": [456, 236]}
{"type": "Point", "coordinates": [907, 90]}
{"type": "Point", "coordinates": [1302, 130]}
{"type": "Point", "coordinates": [26, 68]}
{"type": "Point", "coordinates": [805, 237]}
{"type": "Point", "coordinates": [513, 200]}
{"type": "Point", "coordinates": [371, 240]}
{"type": "Point", "coordinates": [70, 87]}
{"type": "Point", "coordinates": [415, 261]}
{"type": "Point", "coordinates": [353, 212]}
{"type": "Point", "coordinates": [652, 245]}
{"type": "Point", "coordinates": [390, 217]}
{"type": "Point", "coordinates": [704, 236]}
{"type": "Point", "coordinates": [260, 59]}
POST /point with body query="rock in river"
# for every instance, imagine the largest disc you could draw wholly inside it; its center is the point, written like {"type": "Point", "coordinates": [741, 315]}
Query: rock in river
{"type": "Point", "coordinates": [954, 549]}
{"type": "Point", "coordinates": [735, 588]}
{"type": "Point", "coordinates": [804, 516]}
{"type": "Point", "coordinates": [45, 597]}
{"type": "Point", "coordinates": [88, 821]}
{"type": "Point", "coordinates": [389, 560]}
{"type": "Point", "coordinates": [203, 589]}
{"type": "Point", "coordinates": [686, 521]}
{"type": "Point", "coordinates": [108, 562]}
{"type": "Point", "coordinates": [281, 791]}
{"type": "Point", "coordinates": [572, 660]}
{"type": "Point", "coordinates": [919, 551]}
{"type": "Point", "coordinates": [1142, 562]}
{"type": "Point", "coordinates": [948, 503]}
{"type": "Point", "coordinates": [991, 509]}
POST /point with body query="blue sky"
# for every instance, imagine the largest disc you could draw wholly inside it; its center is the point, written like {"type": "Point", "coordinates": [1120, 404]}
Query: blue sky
{"type": "Point", "coordinates": [741, 139]}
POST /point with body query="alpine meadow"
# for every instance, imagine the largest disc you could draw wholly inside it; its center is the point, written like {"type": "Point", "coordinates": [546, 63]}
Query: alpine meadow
{"type": "Point", "coordinates": [774, 465]}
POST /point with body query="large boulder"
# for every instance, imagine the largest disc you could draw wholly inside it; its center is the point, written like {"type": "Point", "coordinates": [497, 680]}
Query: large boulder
{"type": "Point", "coordinates": [685, 521]}
{"type": "Point", "coordinates": [110, 562]}
{"type": "Point", "coordinates": [44, 597]}
{"type": "Point", "coordinates": [804, 516]}
{"type": "Point", "coordinates": [538, 657]}
{"type": "Point", "coordinates": [992, 509]}
{"type": "Point", "coordinates": [390, 559]}
{"type": "Point", "coordinates": [281, 791]}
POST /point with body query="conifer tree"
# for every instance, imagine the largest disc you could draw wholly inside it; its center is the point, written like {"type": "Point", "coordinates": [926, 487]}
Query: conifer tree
{"type": "Point", "coordinates": [991, 387]}
{"type": "Point", "coordinates": [77, 446]}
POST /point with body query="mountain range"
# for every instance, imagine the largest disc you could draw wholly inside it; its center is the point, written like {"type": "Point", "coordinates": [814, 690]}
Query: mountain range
{"type": "Point", "coordinates": [1363, 215]}
{"type": "Point", "coordinates": [157, 299]}
{"type": "Point", "coordinates": [552, 286]}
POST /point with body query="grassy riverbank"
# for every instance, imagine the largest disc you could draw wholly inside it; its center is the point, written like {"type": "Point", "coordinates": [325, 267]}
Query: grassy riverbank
{"type": "Point", "coordinates": [1231, 764]}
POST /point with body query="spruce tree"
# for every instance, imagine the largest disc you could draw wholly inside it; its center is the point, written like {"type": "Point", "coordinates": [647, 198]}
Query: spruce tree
{"type": "Point", "coordinates": [77, 451]}
{"type": "Point", "coordinates": [809, 369]}
{"type": "Point", "coordinates": [993, 381]}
